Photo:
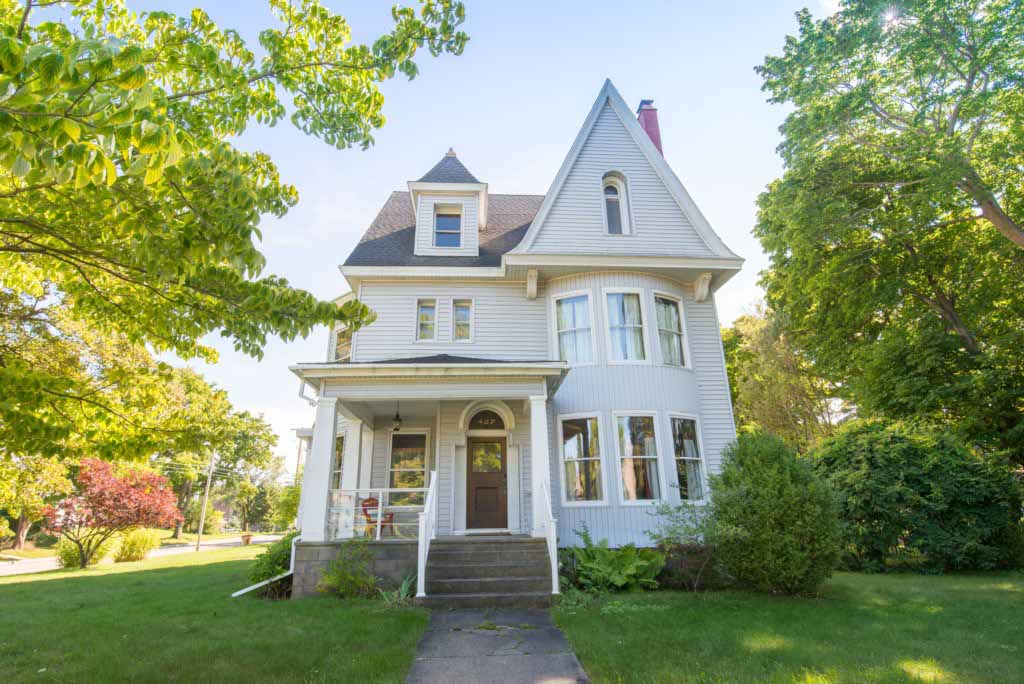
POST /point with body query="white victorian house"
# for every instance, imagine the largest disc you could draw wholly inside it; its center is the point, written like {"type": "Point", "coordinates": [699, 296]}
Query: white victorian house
{"type": "Point", "coordinates": [538, 362]}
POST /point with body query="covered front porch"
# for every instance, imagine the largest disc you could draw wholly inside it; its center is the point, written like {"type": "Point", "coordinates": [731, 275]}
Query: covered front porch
{"type": "Point", "coordinates": [426, 448]}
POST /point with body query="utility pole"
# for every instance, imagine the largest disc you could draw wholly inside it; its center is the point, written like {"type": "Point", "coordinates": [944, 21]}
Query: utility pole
{"type": "Point", "coordinates": [206, 499]}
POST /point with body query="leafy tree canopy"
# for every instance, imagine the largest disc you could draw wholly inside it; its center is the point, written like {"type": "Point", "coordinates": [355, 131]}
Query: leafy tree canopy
{"type": "Point", "coordinates": [774, 386]}
{"type": "Point", "coordinates": [122, 197]}
{"type": "Point", "coordinates": [887, 233]}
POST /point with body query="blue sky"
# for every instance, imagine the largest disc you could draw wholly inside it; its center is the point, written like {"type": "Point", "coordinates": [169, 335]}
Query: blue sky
{"type": "Point", "coordinates": [511, 106]}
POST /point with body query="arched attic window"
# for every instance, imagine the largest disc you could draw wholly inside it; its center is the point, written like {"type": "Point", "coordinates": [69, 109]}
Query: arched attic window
{"type": "Point", "coordinates": [616, 204]}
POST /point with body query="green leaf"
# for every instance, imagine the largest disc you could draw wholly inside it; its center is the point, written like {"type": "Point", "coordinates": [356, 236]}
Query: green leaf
{"type": "Point", "coordinates": [50, 68]}
{"type": "Point", "coordinates": [12, 54]}
{"type": "Point", "coordinates": [21, 167]}
{"type": "Point", "coordinates": [72, 128]}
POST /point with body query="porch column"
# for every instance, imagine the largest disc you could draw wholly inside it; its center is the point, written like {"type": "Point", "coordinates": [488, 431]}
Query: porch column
{"type": "Point", "coordinates": [316, 476]}
{"type": "Point", "coordinates": [540, 468]}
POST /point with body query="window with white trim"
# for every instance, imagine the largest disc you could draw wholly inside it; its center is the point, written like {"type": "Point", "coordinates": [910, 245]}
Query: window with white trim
{"type": "Point", "coordinates": [447, 225]}
{"type": "Point", "coordinates": [426, 319]}
{"type": "Point", "coordinates": [638, 458]}
{"type": "Point", "coordinates": [462, 320]}
{"type": "Point", "coordinates": [581, 459]}
{"type": "Point", "coordinates": [616, 209]}
{"type": "Point", "coordinates": [688, 461]}
{"type": "Point", "coordinates": [408, 467]}
{"type": "Point", "coordinates": [626, 326]}
{"type": "Point", "coordinates": [343, 344]}
{"type": "Point", "coordinates": [670, 330]}
{"type": "Point", "coordinates": [572, 324]}
{"type": "Point", "coordinates": [336, 462]}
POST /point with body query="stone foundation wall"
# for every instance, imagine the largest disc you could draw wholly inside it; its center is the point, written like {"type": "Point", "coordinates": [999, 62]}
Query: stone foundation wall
{"type": "Point", "coordinates": [392, 562]}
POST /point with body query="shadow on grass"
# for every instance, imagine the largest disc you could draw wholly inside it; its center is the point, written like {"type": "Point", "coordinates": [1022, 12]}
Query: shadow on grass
{"type": "Point", "coordinates": [864, 630]}
{"type": "Point", "coordinates": [166, 620]}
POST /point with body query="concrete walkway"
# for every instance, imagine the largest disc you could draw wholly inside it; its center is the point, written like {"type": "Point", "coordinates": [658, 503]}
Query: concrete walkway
{"type": "Point", "coordinates": [28, 566]}
{"type": "Point", "coordinates": [495, 647]}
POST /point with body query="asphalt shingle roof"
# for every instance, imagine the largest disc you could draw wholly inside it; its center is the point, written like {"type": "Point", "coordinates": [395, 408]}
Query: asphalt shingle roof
{"type": "Point", "coordinates": [449, 170]}
{"type": "Point", "coordinates": [389, 241]}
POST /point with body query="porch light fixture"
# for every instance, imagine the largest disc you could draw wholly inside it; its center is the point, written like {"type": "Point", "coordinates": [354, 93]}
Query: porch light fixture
{"type": "Point", "coordinates": [396, 422]}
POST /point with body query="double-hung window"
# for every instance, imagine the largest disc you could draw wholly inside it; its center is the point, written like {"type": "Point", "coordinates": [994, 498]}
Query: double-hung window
{"type": "Point", "coordinates": [625, 326]}
{"type": "Point", "coordinates": [339, 455]}
{"type": "Point", "coordinates": [581, 459]}
{"type": "Point", "coordinates": [638, 458]}
{"type": "Point", "coordinates": [447, 225]}
{"type": "Point", "coordinates": [343, 344]}
{"type": "Point", "coordinates": [670, 331]}
{"type": "Point", "coordinates": [572, 321]}
{"type": "Point", "coordinates": [687, 455]}
{"type": "Point", "coordinates": [426, 320]}
{"type": "Point", "coordinates": [408, 469]}
{"type": "Point", "coordinates": [462, 320]}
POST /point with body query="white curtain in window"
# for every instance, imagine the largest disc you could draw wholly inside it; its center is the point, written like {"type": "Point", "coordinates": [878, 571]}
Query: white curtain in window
{"type": "Point", "coordinates": [574, 343]}
{"type": "Point", "coordinates": [625, 322]}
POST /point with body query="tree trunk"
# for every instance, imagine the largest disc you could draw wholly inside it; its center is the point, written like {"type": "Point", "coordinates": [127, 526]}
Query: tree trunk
{"type": "Point", "coordinates": [991, 210]}
{"type": "Point", "coordinates": [186, 494]}
{"type": "Point", "coordinates": [21, 531]}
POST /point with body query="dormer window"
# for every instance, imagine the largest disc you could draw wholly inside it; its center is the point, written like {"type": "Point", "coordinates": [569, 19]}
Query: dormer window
{"type": "Point", "coordinates": [447, 225]}
{"type": "Point", "coordinates": [616, 209]}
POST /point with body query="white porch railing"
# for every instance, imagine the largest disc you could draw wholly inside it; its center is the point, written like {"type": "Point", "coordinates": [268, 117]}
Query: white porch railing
{"type": "Point", "coordinates": [427, 531]}
{"type": "Point", "coordinates": [377, 514]}
{"type": "Point", "coordinates": [551, 532]}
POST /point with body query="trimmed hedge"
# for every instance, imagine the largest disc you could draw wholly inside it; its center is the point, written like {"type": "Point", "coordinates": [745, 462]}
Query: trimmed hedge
{"type": "Point", "coordinates": [914, 497]}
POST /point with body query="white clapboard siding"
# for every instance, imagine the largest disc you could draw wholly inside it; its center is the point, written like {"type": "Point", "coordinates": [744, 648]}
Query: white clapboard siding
{"type": "Point", "coordinates": [506, 325]}
{"type": "Point", "coordinates": [604, 388]}
{"type": "Point", "coordinates": [470, 245]}
{"type": "Point", "coordinates": [575, 223]}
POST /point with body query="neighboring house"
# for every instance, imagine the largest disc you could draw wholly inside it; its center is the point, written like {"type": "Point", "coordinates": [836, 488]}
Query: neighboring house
{"type": "Point", "coordinates": [534, 358]}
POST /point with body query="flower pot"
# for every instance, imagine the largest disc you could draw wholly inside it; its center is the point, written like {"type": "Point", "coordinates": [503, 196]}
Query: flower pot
{"type": "Point", "coordinates": [246, 539]}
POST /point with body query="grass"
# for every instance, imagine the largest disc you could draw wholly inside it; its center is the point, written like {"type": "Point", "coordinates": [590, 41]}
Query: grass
{"type": "Point", "coordinates": [865, 629]}
{"type": "Point", "coordinates": [31, 551]}
{"type": "Point", "coordinates": [186, 539]}
{"type": "Point", "coordinates": [171, 620]}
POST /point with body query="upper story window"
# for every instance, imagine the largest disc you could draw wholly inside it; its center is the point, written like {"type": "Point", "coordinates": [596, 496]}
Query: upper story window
{"type": "Point", "coordinates": [572, 325]}
{"type": "Point", "coordinates": [625, 327]}
{"type": "Point", "coordinates": [426, 320]}
{"type": "Point", "coordinates": [462, 320]}
{"type": "Point", "coordinates": [343, 344]}
{"type": "Point", "coordinates": [447, 225]}
{"type": "Point", "coordinates": [616, 209]}
{"type": "Point", "coordinates": [670, 330]}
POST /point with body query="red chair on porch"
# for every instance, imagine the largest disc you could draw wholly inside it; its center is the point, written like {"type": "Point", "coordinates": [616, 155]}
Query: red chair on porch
{"type": "Point", "coordinates": [387, 520]}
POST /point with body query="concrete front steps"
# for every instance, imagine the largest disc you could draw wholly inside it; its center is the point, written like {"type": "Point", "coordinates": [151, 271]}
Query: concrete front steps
{"type": "Point", "coordinates": [494, 571]}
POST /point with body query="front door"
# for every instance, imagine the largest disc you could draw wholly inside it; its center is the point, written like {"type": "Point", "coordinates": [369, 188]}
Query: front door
{"type": "Point", "coordinates": [486, 485]}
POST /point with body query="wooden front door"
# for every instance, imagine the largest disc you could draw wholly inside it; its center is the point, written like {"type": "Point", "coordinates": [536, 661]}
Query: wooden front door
{"type": "Point", "coordinates": [486, 483]}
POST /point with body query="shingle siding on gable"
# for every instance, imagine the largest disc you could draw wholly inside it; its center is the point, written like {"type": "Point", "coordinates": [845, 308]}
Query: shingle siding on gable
{"type": "Point", "coordinates": [575, 223]}
{"type": "Point", "coordinates": [425, 226]}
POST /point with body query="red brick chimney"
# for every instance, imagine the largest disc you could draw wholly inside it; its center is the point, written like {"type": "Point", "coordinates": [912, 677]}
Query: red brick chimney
{"type": "Point", "coordinates": [647, 115]}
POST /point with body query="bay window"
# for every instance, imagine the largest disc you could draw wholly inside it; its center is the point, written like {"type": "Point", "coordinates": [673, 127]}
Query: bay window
{"type": "Point", "coordinates": [670, 331]}
{"type": "Point", "coordinates": [572, 323]}
{"type": "Point", "coordinates": [625, 327]}
{"type": "Point", "coordinates": [638, 458]}
{"type": "Point", "coordinates": [581, 459]}
{"type": "Point", "coordinates": [687, 457]}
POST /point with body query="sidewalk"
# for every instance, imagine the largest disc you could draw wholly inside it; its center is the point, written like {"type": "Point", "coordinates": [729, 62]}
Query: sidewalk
{"type": "Point", "coordinates": [494, 646]}
{"type": "Point", "coordinates": [32, 565]}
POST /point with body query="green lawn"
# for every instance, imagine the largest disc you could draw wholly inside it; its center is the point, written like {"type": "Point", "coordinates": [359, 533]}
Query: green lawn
{"type": "Point", "coordinates": [171, 620]}
{"type": "Point", "coordinates": [864, 630]}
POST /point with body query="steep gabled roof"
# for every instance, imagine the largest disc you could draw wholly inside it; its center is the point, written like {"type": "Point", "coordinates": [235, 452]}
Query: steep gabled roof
{"type": "Point", "coordinates": [610, 96]}
{"type": "Point", "coordinates": [448, 170]}
{"type": "Point", "coordinates": [390, 240]}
